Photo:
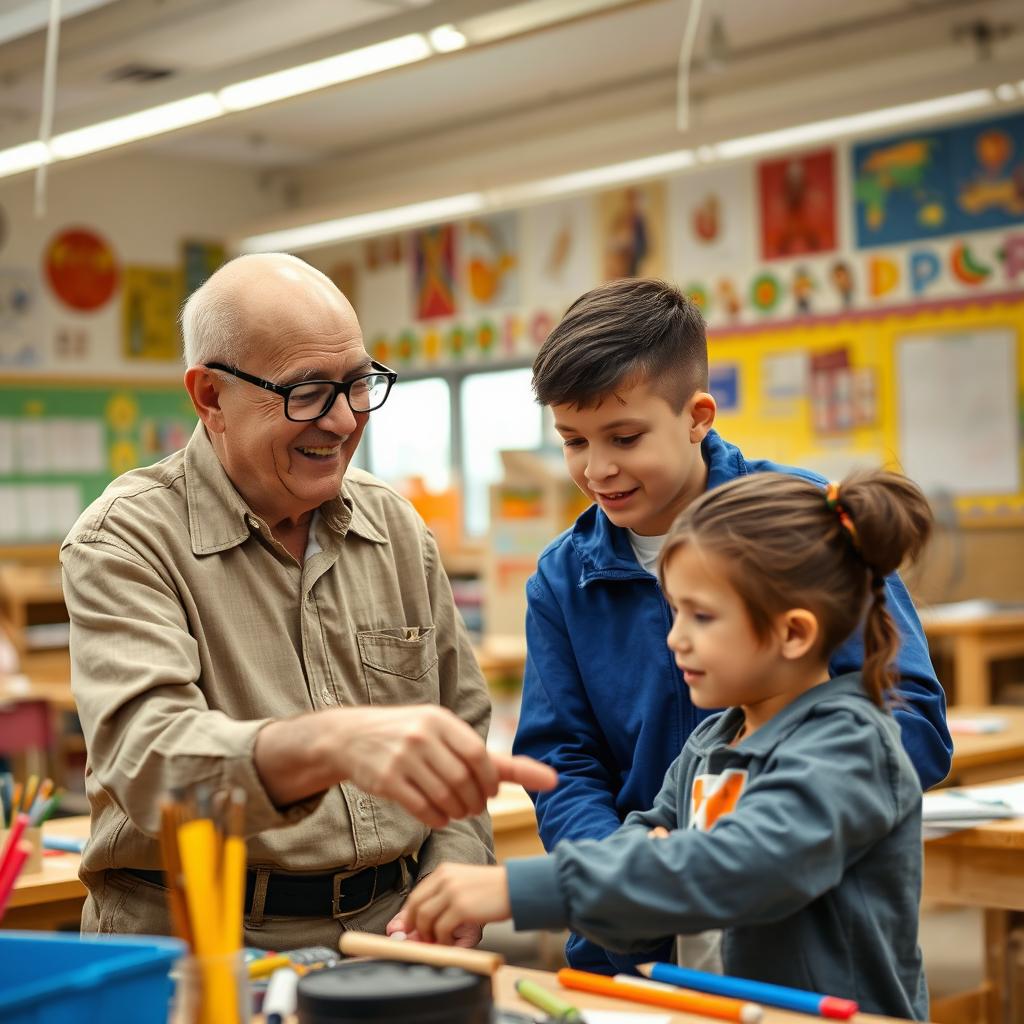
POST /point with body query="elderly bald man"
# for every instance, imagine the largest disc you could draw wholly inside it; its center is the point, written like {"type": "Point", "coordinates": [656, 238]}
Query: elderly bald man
{"type": "Point", "coordinates": [252, 612]}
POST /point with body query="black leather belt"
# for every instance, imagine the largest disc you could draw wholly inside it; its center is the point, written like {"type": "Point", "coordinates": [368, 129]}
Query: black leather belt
{"type": "Point", "coordinates": [330, 895]}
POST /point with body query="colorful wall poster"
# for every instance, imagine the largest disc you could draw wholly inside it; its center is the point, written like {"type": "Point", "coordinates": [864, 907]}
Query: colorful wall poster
{"type": "Point", "coordinates": [151, 297]}
{"type": "Point", "coordinates": [20, 341]}
{"type": "Point", "coordinates": [490, 254]}
{"type": "Point", "coordinates": [199, 260]}
{"type": "Point", "coordinates": [987, 163]}
{"type": "Point", "coordinates": [631, 231]}
{"type": "Point", "coordinates": [798, 208]}
{"type": "Point", "coordinates": [831, 386]}
{"type": "Point", "coordinates": [941, 182]}
{"type": "Point", "coordinates": [434, 271]}
{"type": "Point", "coordinates": [710, 215]}
{"type": "Point", "coordinates": [558, 251]}
{"type": "Point", "coordinates": [385, 286]}
{"type": "Point", "coordinates": [723, 383]}
{"type": "Point", "coordinates": [81, 269]}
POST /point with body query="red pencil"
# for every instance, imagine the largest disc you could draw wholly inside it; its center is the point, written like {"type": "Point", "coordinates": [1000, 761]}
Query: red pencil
{"type": "Point", "coordinates": [9, 872]}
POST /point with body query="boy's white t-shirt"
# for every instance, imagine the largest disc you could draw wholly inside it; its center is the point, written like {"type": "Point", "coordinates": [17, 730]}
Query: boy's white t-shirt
{"type": "Point", "coordinates": [647, 550]}
{"type": "Point", "coordinates": [702, 951]}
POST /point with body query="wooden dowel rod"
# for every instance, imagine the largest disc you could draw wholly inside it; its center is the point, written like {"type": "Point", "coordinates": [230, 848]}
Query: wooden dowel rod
{"type": "Point", "coordinates": [364, 944]}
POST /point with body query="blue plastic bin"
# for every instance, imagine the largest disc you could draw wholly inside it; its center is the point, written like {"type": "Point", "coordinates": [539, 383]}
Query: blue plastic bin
{"type": "Point", "coordinates": [65, 979]}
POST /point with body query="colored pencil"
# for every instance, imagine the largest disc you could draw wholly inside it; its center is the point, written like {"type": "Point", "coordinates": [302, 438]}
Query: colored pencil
{"type": "Point", "coordinates": [6, 793]}
{"type": "Point", "coordinates": [741, 988]}
{"type": "Point", "coordinates": [36, 808]}
{"type": "Point", "coordinates": [170, 818]}
{"type": "Point", "coordinates": [233, 872]}
{"type": "Point", "coordinates": [9, 871]}
{"type": "Point", "coordinates": [637, 992]}
{"type": "Point", "coordinates": [546, 1000]}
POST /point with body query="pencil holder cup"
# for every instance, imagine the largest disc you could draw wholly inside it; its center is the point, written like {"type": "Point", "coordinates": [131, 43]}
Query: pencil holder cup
{"type": "Point", "coordinates": [212, 990]}
{"type": "Point", "coordinates": [34, 838]}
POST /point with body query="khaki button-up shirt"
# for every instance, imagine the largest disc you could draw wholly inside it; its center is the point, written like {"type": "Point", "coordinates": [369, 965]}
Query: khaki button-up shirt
{"type": "Point", "coordinates": [192, 628]}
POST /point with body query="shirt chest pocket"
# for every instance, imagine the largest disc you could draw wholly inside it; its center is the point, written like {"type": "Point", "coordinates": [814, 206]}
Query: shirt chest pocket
{"type": "Point", "coordinates": [400, 665]}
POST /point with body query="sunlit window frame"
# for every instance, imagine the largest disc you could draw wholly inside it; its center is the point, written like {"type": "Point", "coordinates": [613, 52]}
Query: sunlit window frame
{"type": "Point", "coordinates": [454, 376]}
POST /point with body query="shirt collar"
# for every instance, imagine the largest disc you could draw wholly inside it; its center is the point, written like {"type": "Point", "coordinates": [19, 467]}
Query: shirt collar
{"type": "Point", "coordinates": [219, 517]}
{"type": "Point", "coordinates": [779, 727]}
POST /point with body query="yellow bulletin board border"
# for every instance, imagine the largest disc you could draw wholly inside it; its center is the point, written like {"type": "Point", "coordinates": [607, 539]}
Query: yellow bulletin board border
{"type": "Point", "coordinates": [783, 428]}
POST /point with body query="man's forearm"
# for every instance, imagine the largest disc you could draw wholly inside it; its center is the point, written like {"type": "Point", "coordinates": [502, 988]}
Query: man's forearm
{"type": "Point", "coordinates": [296, 758]}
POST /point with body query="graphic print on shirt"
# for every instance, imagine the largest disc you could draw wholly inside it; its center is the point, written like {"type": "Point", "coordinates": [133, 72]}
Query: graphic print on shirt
{"type": "Point", "coordinates": [714, 796]}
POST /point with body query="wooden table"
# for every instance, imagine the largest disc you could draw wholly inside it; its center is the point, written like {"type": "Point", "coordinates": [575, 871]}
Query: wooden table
{"type": "Point", "coordinates": [514, 822]}
{"type": "Point", "coordinates": [506, 998]}
{"type": "Point", "coordinates": [975, 640]}
{"type": "Point", "coordinates": [53, 897]}
{"type": "Point", "coordinates": [983, 867]}
{"type": "Point", "coordinates": [987, 757]}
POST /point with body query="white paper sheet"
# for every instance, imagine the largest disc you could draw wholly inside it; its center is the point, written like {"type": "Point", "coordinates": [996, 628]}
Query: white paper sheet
{"type": "Point", "coordinates": [958, 411]}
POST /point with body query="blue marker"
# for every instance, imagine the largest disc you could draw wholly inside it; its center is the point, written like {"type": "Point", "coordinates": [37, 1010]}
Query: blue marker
{"type": "Point", "coordinates": [755, 991]}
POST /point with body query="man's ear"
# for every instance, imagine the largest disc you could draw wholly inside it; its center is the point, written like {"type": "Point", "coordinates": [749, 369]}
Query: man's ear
{"type": "Point", "coordinates": [798, 631]}
{"type": "Point", "coordinates": [204, 388]}
{"type": "Point", "coordinates": [701, 409]}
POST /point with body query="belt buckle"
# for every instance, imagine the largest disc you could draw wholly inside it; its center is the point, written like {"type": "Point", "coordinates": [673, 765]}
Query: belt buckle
{"type": "Point", "coordinates": [336, 912]}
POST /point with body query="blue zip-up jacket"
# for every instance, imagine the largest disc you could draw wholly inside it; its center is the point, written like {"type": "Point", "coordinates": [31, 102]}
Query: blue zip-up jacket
{"type": "Point", "coordinates": [814, 875]}
{"type": "Point", "coordinates": [605, 705]}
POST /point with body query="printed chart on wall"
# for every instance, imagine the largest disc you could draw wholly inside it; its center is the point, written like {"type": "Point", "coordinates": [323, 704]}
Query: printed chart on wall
{"type": "Point", "coordinates": [61, 445]}
{"type": "Point", "coordinates": [959, 411]}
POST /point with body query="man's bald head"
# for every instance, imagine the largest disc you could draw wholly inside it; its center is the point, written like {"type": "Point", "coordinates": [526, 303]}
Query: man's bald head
{"type": "Point", "coordinates": [252, 300]}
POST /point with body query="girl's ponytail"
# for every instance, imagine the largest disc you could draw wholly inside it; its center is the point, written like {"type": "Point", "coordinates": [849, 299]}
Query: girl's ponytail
{"type": "Point", "coordinates": [889, 522]}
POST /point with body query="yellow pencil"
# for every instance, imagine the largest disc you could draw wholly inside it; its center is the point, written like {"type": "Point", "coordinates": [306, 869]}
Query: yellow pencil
{"type": "Point", "coordinates": [197, 843]}
{"type": "Point", "coordinates": [233, 873]}
{"type": "Point", "coordinates": [30, 791]}
{"type": "Point", "coordinates": [266, 966]}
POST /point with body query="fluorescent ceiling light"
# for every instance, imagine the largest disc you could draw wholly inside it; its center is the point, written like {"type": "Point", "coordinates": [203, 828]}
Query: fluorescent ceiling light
{"type": "Point", "coordinates": [26, 157]}
{"type": "Point", "coordinates": [446, 38]}
{"type": "Point", "coordinates": [342, 229]}
{"type": "Point", "coordinates": [597, 177]}
{"type": "Point", "coordinates": [320, 74]}
{"type": "Point", "coordinates": [818, 131]}
{"type": "Point", "coordinates": [146, 123]}
{"type": "Point", "coordinates": [311, 236]}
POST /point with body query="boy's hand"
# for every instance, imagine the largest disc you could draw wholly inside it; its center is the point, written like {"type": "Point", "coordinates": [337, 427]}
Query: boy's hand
{"type": "Point", "coordinates": [454, 896]}
{"type": "Point", "coordinates": [658, 832]}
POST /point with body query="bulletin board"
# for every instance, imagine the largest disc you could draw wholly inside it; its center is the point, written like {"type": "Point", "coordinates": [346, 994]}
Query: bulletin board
{"type": "Point", "coordinates": [831, 396]}
{"type": "Point", "coordinates": [62, 443]}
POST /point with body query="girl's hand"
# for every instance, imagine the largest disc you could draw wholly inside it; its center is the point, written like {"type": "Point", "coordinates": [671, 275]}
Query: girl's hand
{"type": "Point", "coordinates": [658, 832]}
{"type": "Point", "coordinates": [453, 897]}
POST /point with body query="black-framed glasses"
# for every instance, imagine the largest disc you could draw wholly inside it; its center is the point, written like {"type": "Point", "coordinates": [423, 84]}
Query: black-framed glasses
{"type": "Point", "coordinates": [311, 399]}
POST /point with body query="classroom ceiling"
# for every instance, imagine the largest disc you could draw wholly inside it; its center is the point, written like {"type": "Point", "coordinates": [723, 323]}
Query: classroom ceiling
{"type": "Point", "coordinates": [118, 56]}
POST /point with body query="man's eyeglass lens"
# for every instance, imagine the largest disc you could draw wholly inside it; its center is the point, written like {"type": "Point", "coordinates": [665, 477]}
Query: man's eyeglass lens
{"type": "Point", "coordinates": [311, 401]}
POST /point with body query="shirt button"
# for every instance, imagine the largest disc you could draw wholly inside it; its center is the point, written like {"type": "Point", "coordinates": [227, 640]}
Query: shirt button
{"type": "Point", "coordinates": [328, 698]}
{"type": "Point", "coordinates": [253, 523]}
{"type": "Point", "coordinates": [361, 805]}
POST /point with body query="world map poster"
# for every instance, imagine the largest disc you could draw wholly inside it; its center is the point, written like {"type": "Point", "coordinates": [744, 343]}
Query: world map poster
{"type": "Point", "coordinates": [942, 182]}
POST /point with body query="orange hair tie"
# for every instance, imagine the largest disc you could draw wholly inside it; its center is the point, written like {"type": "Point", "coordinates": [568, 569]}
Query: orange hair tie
{"type": "Point", "coordinates": [832, 500]}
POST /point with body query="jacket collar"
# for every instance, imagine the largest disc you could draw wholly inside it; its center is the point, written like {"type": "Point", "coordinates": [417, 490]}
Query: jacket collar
{"type": "Point", "coordinates": [603, 548]}
{"type": "Point", "coordinates": [777, 729]}
{"type": "Point", "coordinates": [219, 517]}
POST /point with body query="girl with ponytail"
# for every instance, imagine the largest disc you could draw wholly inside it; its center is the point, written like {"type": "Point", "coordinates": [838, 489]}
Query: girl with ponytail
{"type": "Point", "coordinates": [787, 834]}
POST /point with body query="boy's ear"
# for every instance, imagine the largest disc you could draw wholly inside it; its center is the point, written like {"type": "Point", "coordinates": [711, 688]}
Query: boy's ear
{"type": "Point", "coordinates": [701, 409]}
{"type": "Point", "coordinates": [204, 387]}
{"type": "Point", "coordinates": [798, 632]}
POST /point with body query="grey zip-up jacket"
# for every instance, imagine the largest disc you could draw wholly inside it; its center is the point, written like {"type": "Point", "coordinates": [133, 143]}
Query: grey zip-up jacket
{"type": "Point", "coordinates": [814, 875]}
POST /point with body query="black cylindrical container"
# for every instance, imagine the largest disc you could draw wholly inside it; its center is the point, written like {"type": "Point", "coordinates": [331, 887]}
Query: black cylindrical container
{"type": "Point", "coordinates": [390, 992]}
